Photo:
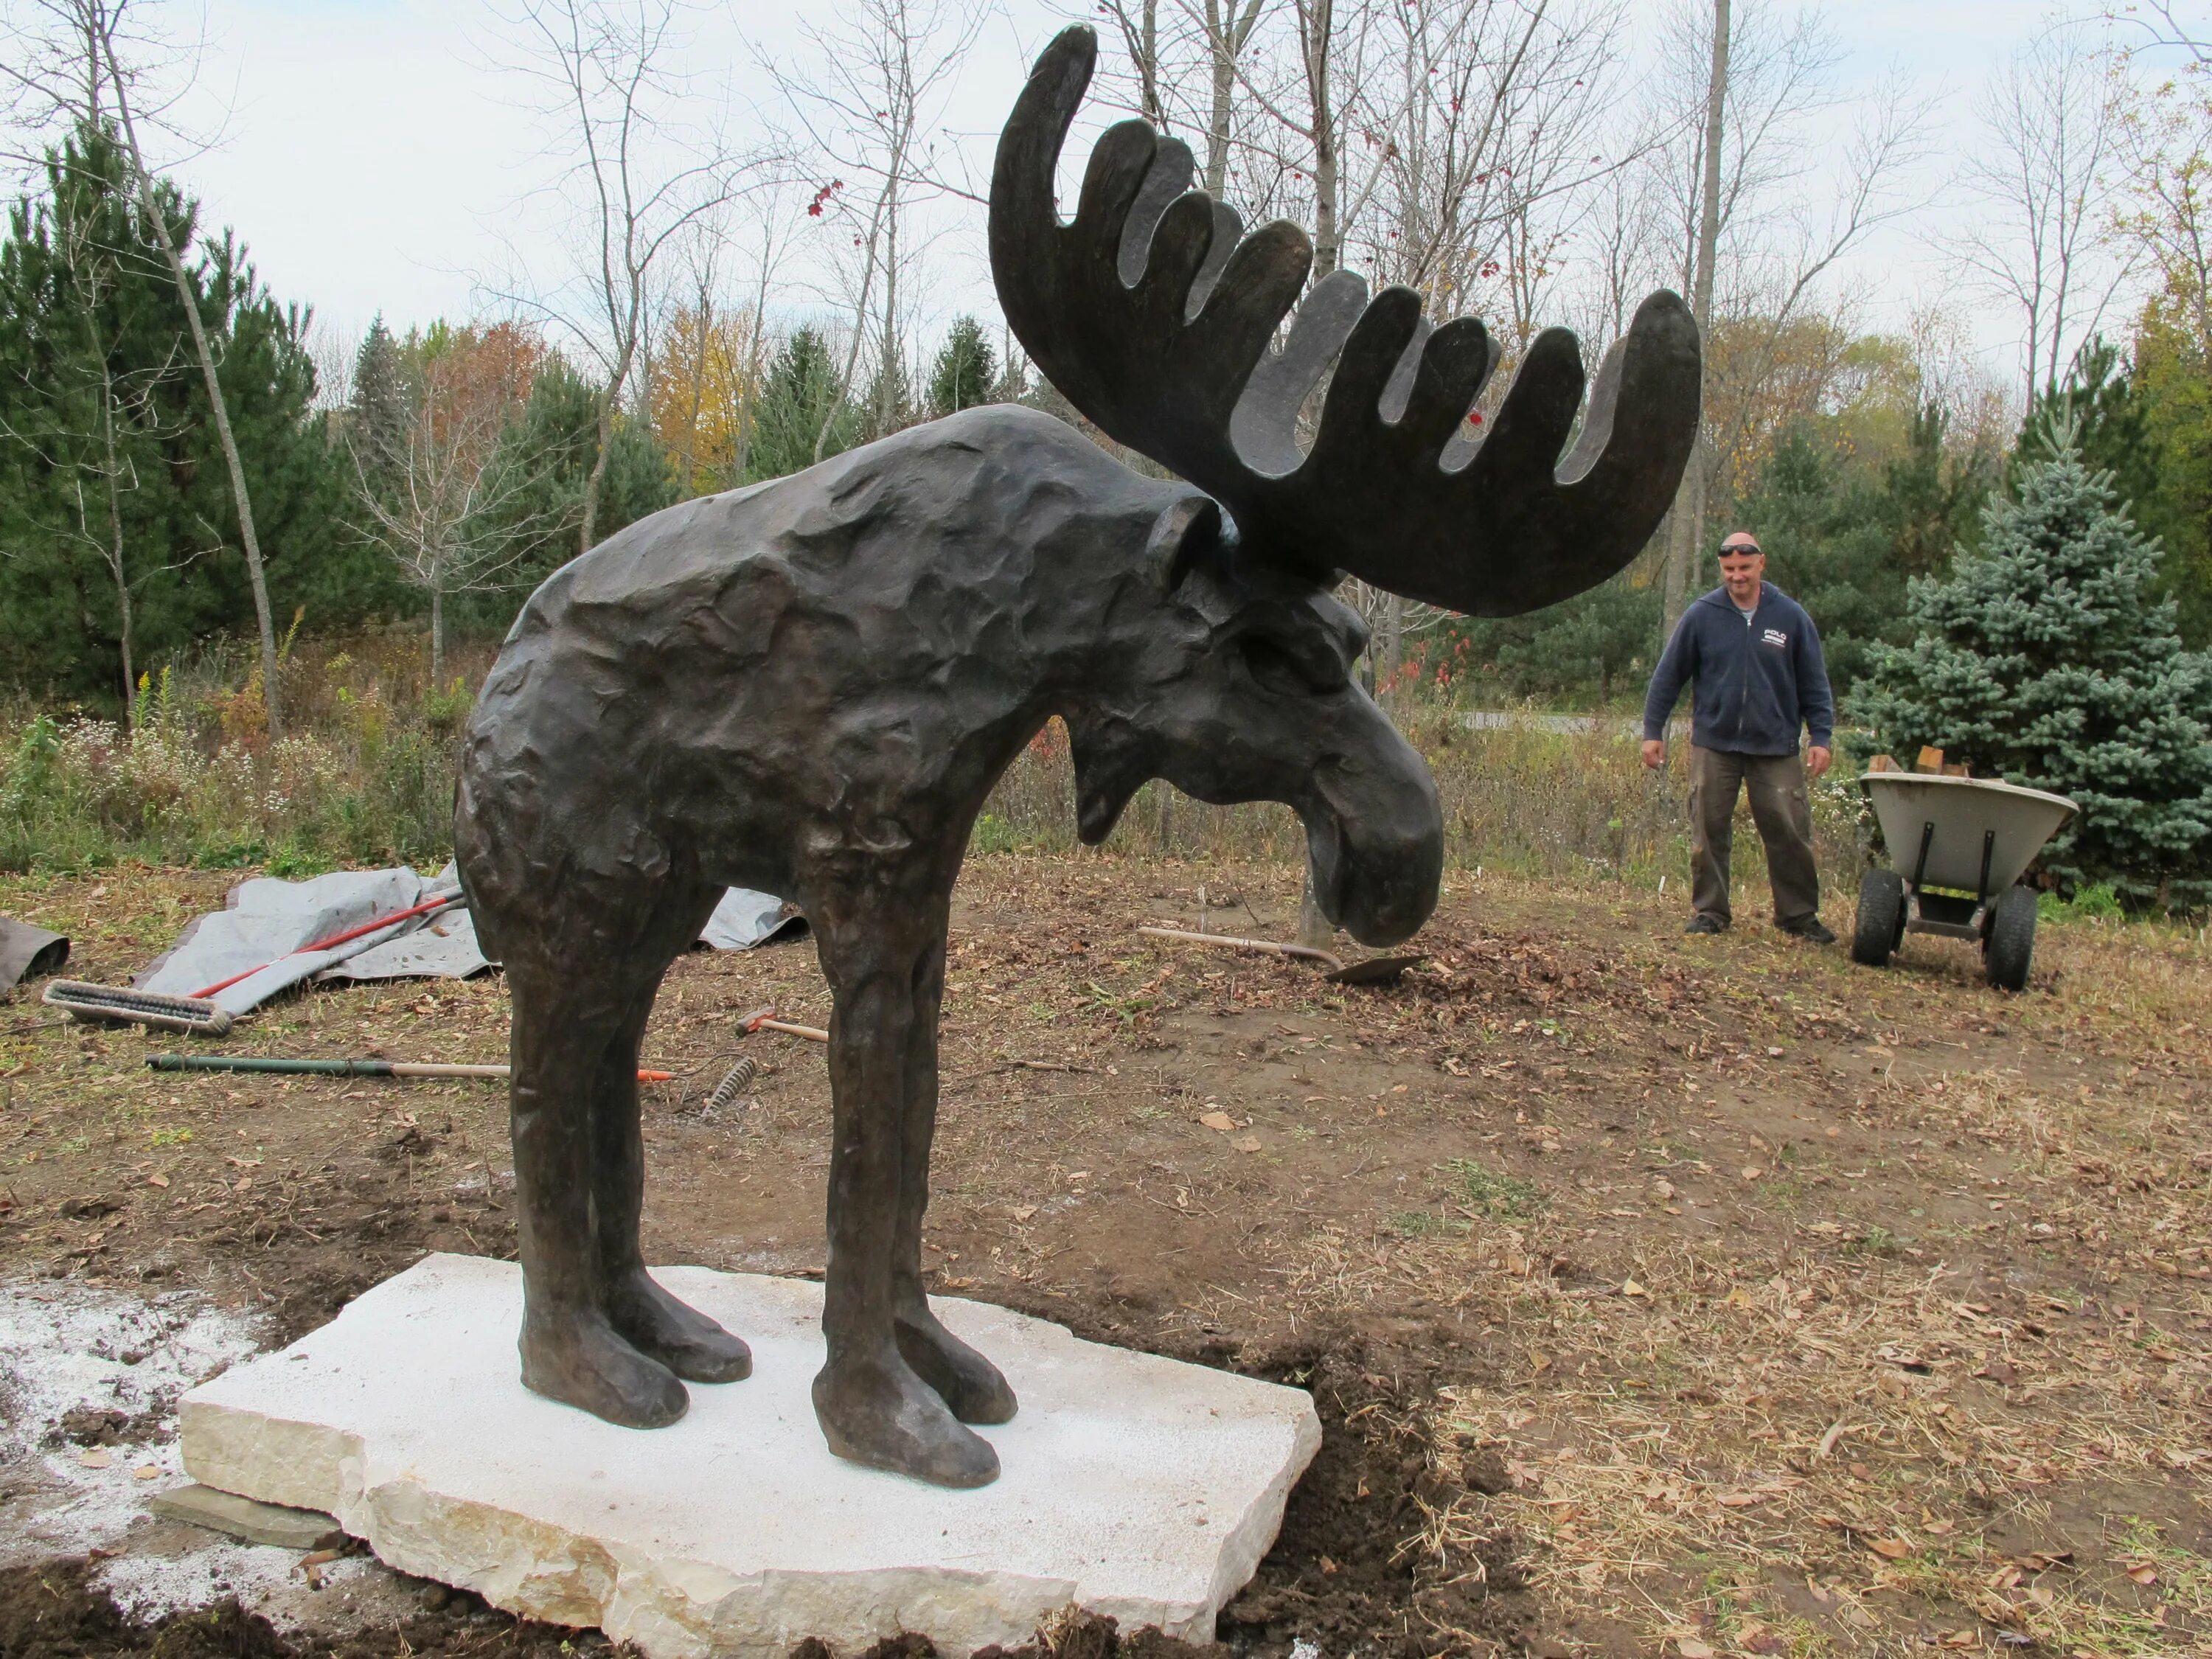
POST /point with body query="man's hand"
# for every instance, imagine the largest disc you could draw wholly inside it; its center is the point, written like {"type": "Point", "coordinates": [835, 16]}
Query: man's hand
{"type": "Point", "coordinates": [1654, 752]}
{"type": "Point", "coordinates": [1817, 760]}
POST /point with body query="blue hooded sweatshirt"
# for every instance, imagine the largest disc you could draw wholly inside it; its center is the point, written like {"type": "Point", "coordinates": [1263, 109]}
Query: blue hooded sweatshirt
{"type": "Point", "coordinates": [1759, 677]}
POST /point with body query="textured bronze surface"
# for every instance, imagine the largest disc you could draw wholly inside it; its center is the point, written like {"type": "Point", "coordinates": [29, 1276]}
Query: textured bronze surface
{"type": "Point", "coordinates": [809, 688]}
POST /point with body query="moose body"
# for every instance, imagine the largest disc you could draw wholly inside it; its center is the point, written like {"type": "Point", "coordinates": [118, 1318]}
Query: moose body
{"type": "Point", "coordinates": [808, 689]}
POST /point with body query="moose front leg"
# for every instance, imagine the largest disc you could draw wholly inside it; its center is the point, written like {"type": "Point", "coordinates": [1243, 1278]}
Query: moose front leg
{"type": "Point", "coordinates": [680, 1337]}
{"type": "Point", "coordinates": [564, 1023]}
{"type": "Point", "coordinates": [881, 951]}
{"type": "Point", "coordinates": [970, 1384]}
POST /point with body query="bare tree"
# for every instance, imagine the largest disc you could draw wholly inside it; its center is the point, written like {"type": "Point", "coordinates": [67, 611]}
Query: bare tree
{"type": "Point", "coordinates": [442, 508]}
{"type": "Point", "coordinates": [1226, 27]}
{"type": "Point", "coordinates": [1483, 116]}
{"type": "Point", "coordinates": [643, 178]}
{"type": "Point", "coordinates": [2051, 131]}
{"type": "Point", "coordinates": [871, 100]}
{"type": "Point", "coordinates": [1753, 243]}
{"type": "Point", "coordinates": [86, 62]}
{"type": "Point", "coordinates": [1686, 522]}
{"type": "Point", "coordinates": [1138, 22]}
{"type": "Point", "coordinates": [2166, 149]}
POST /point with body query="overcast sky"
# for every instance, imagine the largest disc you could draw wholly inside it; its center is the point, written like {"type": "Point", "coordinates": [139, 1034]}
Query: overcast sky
{"type": "Point", "coordinates": [376, 159]}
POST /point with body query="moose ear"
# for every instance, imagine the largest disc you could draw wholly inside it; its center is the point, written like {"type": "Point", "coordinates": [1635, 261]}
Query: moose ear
{"type": "Point", "coordinates": [1188, 532]}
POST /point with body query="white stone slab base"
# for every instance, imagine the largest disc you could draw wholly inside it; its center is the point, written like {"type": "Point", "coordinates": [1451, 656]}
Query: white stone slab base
{"type": "Point", "coordinates": [1133, 1486]}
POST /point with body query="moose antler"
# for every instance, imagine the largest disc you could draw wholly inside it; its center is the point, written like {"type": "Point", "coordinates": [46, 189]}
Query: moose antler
{"type": "Point", "coordinates": [1154, 319]}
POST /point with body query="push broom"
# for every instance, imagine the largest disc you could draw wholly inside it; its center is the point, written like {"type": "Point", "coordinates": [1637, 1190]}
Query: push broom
{"type": "Point", "coordinates": [196, 1013]}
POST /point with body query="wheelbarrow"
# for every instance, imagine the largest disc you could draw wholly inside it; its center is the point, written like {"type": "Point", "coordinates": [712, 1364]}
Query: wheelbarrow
{"type": "Point", "coordinates": [1968, 840]}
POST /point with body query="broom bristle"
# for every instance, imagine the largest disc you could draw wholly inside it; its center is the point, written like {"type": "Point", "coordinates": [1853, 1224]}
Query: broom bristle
{"type": "Point", "coordinates": [115, 1004]}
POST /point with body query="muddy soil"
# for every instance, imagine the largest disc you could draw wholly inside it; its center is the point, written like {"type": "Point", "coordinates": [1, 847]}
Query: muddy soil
{"type": "Point", "coordinates": [1496, 1217]}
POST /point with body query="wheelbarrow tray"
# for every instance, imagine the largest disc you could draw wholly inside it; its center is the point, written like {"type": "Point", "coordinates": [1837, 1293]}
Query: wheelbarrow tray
{"type": "Point", "coordinates": [1969, 815]}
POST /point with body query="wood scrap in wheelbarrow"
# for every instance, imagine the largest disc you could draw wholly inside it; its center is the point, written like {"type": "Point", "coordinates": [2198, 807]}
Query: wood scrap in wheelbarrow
{"type": "Point", "coordinates": [1375, 970]}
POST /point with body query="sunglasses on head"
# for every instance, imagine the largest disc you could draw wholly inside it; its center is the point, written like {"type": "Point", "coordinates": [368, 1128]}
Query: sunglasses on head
{"type": "Point", "coordinates": [1728, 548]}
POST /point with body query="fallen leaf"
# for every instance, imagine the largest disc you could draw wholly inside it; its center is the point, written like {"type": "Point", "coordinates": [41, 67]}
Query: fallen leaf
{"type": "Point", "coordinates": [157, 1181]}
{"type": "Point", "coordinates": [1738, 1500]}
{"type": "Point", "coordinates": [1248, 1144]}
{"type": "Point", "coordinates": [1217, 1120]}
{"type": "Point", "coordinates": [1773, 1053]}
{"type": "Point", "coordinates": [1630, 1287]}
{"type": "Point", "coordinates": [147, 1472]}
{"type": "Point", "coordinates": [950, 1283]}
{"type": "Point", "coordinates": [1890, 1549]}
{"type": "Point", "coordinates": [1751, 1172]}
{"type": "Point", "coordinates": [95, 1457]}
{"type": "Point", "coordinates": [2145, 1574]}
{"type": "Point", "coordinates": [1023, 1211]}
{"type": "Point", "coordinates": [1689, 1648]}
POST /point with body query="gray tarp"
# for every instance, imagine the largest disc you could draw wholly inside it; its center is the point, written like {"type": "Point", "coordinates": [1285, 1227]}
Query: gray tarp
{"type": "Point", "coordinates": [264, 919]}
{"type": "Point", "coordinates": [27, 951]}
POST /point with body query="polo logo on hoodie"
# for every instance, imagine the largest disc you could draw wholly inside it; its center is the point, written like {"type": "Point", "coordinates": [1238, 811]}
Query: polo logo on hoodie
{"type": "Point", "coordinates": [1775, 636]}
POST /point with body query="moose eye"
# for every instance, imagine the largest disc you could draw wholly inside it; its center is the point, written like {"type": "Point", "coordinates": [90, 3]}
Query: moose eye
{"type": "Point", "coordinates": [1286, 672]}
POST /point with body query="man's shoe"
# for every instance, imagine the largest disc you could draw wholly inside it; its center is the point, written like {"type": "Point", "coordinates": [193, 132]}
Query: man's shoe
{"type": "Point", "coordinates": [1706, 925]}
{"type": "Point", "coordinates": [1809, 928]}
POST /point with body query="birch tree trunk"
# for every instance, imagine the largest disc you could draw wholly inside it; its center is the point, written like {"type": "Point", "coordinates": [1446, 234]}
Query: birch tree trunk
{"type": "Point", "coordinates": [1686, 523]}
{"type": "Point", "coordinates": [115, 564]}
{"type": "Point", "coordinates": [1317, 42]}
{"type": "Point", "coordinates": [158, 224]}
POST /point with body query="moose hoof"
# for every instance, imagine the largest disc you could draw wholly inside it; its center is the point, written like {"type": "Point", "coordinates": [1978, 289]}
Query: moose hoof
{"type": "Point", "coordinates": [971, 1385]}
{"type": "Point", "coordinates": [679, 1336]}
{"type": "Point", "coordinates": [580, 1360]}
{"type": "Point", "coordinates": [885, 1417]}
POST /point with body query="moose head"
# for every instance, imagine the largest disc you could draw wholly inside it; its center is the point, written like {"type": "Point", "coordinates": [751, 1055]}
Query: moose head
{"type": "Point", "coordinates": [1154, 316]}
{"type": "Point", "coordinates": [810, 687]}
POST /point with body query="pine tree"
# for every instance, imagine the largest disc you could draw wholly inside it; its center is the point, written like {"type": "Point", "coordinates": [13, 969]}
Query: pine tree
{"type": "Point", "coordinates": [537, 481]}
{"type": "Point", "coordinates": [2047, 659]}
{"type": "Point", "coordinates": [967, 370]}
{"type": "Point", "coordinates": [801, 387]}
{"type": "Point", "coordinates": [116, 505]}
{"type": "Point", "coordinates": [382, 395]}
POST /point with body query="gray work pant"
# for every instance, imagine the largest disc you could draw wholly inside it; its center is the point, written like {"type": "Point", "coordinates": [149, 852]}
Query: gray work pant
{"type": "Point", "coordinates": [1776, 784]}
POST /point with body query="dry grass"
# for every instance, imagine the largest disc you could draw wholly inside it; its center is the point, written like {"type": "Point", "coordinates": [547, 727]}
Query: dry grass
{"type": "Point", "coordinates": [1572, 806]}
{"type": "Point", "coordinates": [1753, 1303]}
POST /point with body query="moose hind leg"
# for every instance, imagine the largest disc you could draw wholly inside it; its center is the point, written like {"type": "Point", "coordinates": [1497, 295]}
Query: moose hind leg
{"type": "Point", "coordinates": [873, 1407]}
{"type": "Point", "coordinates": [563, 1025]}
{"type": "Point", "coordinates": [655, 1322]}
{"type": "Point", "coordinates": [971, 1385]}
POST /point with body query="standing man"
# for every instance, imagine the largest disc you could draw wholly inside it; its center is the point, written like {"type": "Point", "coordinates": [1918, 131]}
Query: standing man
{"type": "Point", "coordinates": [1755, 656]}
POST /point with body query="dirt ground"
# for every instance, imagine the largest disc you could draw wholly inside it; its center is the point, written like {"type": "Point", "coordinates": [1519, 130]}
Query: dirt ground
{"type": "Point", "coordinates": [1659, 1295]}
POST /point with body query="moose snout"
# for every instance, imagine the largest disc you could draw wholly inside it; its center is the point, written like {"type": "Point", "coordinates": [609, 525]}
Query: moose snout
{"type": "Point", "coordinates": [1375, 836]}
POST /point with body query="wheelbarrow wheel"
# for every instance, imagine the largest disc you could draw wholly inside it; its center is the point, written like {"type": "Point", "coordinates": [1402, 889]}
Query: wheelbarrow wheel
{"type": "Point", "coordinates": [2008, 947]}
{"type": "Point", "coordinates": [1881, 918]}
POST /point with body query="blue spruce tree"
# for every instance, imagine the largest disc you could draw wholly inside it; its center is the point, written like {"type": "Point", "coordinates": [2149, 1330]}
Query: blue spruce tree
{"type": "Point", "coordinates": [2048, 660]}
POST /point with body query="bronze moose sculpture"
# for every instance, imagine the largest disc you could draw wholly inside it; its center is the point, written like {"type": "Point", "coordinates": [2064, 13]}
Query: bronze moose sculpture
{"type": "Point", "coordinates": [809, 688]}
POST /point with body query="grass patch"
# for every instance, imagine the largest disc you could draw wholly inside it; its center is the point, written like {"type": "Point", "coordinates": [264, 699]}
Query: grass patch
{"type": "Point", "coordinates": [1493, 1196]}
